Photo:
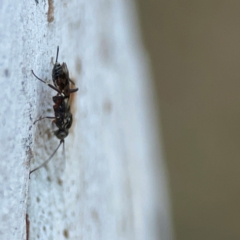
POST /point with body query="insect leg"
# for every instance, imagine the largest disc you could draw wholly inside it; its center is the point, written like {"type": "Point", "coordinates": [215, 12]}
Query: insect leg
{"type": "Point", "coordinates": [43, 164]}
{"type": "Point", "coordinates": [64, 152]}
{"type": "Point", "coordinates": [43, 118]}
{"type": "Point", "coordinates": [50, 85]}
{"type": "Point", "coordinates": [73, 90]}
{"type": "Point", "coordinates": [72, 81]}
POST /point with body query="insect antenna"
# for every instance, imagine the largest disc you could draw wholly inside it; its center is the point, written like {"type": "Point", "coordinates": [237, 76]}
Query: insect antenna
{"type": "Point", "coordinates": [57, 54]}
{"type": "Point", "coordinates": [43, 164]}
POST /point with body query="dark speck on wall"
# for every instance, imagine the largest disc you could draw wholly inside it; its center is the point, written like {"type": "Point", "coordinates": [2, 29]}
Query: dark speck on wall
{"type": "Point", "coordinates": [50, 14]}
{"type": "Point", "coordinates": [6, 72]}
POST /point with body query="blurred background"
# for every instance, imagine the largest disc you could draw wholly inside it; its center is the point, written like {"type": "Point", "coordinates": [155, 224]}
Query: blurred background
{"type": "Point", "coordinates": [194, 47]}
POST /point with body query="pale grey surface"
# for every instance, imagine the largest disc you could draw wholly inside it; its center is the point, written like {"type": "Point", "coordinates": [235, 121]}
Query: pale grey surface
{"type": "Point", "coordinates": [17, 103]}
{"type": "Point", "coordinates": [112, 185]}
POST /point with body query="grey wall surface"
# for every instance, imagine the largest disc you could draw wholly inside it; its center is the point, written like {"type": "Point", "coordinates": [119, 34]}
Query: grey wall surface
{"type": "Point", "coordinates": [194, 49]}
{"type": "Point", "coordinates": [112, 182]}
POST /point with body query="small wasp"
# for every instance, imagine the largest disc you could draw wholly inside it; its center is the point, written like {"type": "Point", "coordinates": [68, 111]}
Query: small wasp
{"type": "Point", "coordinates": [61, 107]}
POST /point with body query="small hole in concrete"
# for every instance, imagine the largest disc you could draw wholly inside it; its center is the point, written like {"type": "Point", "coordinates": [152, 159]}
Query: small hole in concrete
{"type": "Point", "coordinates": [65, 233]}
{"type": "Point", "coordinates": [60, 182]}
{"type": "Point", "coordinates": [6, 72]}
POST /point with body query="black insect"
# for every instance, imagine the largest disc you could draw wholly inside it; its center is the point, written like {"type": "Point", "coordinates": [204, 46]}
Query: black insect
{"type": "Point", "coordinates": [62, 112]}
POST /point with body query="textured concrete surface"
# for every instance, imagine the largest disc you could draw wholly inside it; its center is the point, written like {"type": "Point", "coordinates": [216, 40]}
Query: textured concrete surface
{"type": "Point", "coordinates": [111, 185]}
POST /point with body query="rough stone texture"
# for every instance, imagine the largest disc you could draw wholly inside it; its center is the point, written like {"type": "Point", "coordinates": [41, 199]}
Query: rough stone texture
{"type": "Point", "coordinates": [111, 185]}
